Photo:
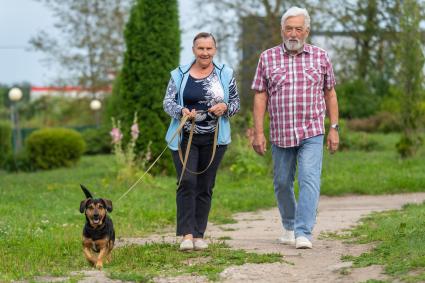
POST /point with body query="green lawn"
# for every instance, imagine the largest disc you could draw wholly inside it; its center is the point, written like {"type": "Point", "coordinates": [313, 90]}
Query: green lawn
{"type": "Point", "coordinates": [400, 243]}
{"type": "Point", "coordinates": [40, 224]}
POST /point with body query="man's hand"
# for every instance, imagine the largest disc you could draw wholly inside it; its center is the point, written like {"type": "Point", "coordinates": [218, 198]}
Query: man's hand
{"type": "Point", "coordinates": [332, 141]}
{"type": "Point", "coordinates": [190, 114]}
{"type": "Point", "coordinates": [219, 109]}
{"type": "Point", "coordinates": [259, 144]}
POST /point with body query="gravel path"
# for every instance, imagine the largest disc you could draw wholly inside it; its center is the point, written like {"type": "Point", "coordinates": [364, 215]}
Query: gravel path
{"type": "Point", "coordinates": [258, 232]}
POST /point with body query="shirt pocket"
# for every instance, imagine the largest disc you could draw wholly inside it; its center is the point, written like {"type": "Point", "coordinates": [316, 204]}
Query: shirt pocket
{"type": "Point", "coordinates": [314, 76]}
{"type": "Point", "coordinates": [278, 77]}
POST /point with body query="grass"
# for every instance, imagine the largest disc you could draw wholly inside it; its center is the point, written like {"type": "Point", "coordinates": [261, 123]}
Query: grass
{"type": "Point", "coordinates": [380, 171]}
{"type": "Point", "coordinates": [40, 225]}
{"type": "Point", "coordinates": [142, 263]}
{"type": "Point", "coordinates": [399, 237]}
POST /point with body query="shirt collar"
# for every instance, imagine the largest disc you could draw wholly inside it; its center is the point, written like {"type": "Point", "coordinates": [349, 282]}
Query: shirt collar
{"type": "Point", "coordinates": [306, 49]}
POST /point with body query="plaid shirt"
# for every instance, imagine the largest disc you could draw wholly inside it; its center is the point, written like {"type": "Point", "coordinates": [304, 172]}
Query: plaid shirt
{"type": "Point", "coordinates": [295, 88]}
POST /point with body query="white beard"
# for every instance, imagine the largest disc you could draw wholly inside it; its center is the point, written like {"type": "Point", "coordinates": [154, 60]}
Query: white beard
{"type": "Point", "coordinates": [293, 44]}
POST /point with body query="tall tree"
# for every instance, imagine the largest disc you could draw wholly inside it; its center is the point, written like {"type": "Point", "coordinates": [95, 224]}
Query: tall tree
{"type": "Point", "coordinates": [410, 55]}
{"type": "Point", "coordinates": [89, 42]}
{"type": "Point", "coordinates": [371, 25]}
{"type": "Point", "coordinates": [152, 39]}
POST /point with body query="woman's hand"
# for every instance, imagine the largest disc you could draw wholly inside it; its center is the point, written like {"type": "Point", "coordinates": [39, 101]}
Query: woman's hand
{"type": "Point", "coordinates": [219, 109]}
{"type": "Point", "coordinates": [190, 114]}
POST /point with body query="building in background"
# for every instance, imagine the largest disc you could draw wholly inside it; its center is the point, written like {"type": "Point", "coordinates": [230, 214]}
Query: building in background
{"type": "Point", "coordinates": [37, 92]}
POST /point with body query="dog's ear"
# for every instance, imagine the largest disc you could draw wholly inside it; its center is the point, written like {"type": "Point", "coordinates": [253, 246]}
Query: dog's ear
{"type": "Point", "coordinates": [108, 204]}
{"type": "Point", "coordinates": [83, 205]}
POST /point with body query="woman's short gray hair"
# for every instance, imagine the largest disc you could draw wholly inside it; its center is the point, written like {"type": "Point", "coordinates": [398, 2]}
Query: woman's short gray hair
{"type": "Point", "coordinates": [296, 11]}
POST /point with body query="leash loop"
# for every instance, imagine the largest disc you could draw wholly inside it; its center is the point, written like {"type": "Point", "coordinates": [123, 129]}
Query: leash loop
{"type": "Point", "coordinates": [186, 157]}
{"type": "Point", "coordinates": [182, 122]}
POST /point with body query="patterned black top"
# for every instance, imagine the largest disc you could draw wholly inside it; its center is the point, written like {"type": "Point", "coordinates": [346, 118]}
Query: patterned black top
{"type": "Point", "coordinates": [201, 94]}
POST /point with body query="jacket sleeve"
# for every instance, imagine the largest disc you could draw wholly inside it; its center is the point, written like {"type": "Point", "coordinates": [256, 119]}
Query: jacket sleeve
{"type": "Point", "coordinates": [233, 106]}
{"type": "Point", "coordinates": [171, 107]}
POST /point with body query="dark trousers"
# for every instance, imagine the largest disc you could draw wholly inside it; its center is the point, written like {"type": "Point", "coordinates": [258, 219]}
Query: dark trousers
{"type": "Point", "coordinates": [195, 191]}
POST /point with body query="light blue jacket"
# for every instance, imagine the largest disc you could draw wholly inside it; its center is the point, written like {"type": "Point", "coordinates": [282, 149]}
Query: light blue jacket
{"type": "Point", "coordinates": [180, 76]}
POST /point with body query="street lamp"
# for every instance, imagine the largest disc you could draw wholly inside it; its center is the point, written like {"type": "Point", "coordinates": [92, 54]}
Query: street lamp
{"type": "Point", "coordinates": [95, 105]}
{"type": "Point", "coordinates": [15, 94]}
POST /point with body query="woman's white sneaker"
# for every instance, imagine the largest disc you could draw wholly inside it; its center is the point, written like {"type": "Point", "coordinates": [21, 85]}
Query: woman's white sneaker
{"type": "Point", "coordinates": [186, 245]}
{"type": "Point", "coordinates": [303, 243]}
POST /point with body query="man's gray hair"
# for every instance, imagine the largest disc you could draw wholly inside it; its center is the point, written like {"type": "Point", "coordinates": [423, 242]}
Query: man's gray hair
{"type": "Point", "coordinates": [296, 11]}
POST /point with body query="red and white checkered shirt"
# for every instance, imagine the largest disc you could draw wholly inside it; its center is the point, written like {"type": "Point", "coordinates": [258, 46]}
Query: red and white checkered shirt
{"type": "Point", "coordinates": [295, 87]}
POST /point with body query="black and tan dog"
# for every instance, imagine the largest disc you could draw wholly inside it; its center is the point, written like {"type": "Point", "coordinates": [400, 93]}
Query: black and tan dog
{"type": "Point", "coordinates": [98, 233]}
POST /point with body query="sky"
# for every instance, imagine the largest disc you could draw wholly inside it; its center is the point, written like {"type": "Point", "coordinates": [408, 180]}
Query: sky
{"type": "Point", "coordinates": [22, 19]}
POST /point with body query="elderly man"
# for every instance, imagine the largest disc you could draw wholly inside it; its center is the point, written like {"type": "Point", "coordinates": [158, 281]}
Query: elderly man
{"type": "Point", "coordinates": [295, 82]}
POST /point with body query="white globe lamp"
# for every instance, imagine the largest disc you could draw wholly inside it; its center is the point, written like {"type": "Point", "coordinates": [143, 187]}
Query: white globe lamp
{"type": "Point", "coordinates": [15, 94]}
{"type": "Point", "coordinates": [95, 105]}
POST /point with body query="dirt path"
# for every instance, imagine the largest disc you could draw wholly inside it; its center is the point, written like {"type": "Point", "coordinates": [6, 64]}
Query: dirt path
{"type": "Point", "coordinates": [258, 232]}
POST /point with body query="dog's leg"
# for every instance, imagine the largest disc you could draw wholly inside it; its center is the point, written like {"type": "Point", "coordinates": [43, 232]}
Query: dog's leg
{"type": "Point", "coordinates": [89, 256]}
{"type": "Point", "coordinates": [104, 250]}
{"type": "Point", "coordinates": [87, 245]}
{"type": "Point", "coordinates": [102, 254]}
{"type": "Point", "coordinates": [109, 253]}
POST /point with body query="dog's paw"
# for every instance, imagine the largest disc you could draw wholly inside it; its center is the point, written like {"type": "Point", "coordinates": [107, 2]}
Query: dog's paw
{"type": "Point", "coordinates": [99, 265]}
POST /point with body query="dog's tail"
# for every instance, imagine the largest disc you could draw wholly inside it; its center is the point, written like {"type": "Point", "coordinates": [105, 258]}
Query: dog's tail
{"type": "Point", "coordinates": [86, 191]}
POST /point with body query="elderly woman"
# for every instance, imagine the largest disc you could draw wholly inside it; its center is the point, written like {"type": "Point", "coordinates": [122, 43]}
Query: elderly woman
{"type": "Point", "coordinates": [206, 92]}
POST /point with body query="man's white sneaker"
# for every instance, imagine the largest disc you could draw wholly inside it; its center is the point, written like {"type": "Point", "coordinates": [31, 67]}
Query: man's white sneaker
{"type": "Point", "coordinates": [303, 243]}
{"type": "Point", "coordinates": [288, 237]}
{"type": "Point", "coordinates": [199, 244]}
{"type": "Point", "coordinates": [186, 245]}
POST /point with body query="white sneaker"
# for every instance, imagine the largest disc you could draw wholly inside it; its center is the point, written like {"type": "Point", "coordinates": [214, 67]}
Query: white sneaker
{"type": "Point", "coordinates": [303, 243]}
{"type": "Point", "coordinates": [288, 237]}
{"type": "Point", "coordinates": [199, 244]}
{"type": "Point", "coordinates": [186, 245]}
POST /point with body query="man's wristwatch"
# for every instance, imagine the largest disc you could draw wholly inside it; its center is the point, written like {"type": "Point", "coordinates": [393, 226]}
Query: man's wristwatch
{"type": "Point", "coordinates": [335, 126]}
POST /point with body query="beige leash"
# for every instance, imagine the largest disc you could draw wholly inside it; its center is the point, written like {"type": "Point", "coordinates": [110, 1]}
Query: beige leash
{"type": "Point", "coordinates": [184, 162]}
{"type": "Point", "coordinates": [189, 143]}
{"type": "Point", "coordinates": [182, 122]}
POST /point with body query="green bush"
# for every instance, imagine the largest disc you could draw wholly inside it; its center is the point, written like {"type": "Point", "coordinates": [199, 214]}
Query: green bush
{"type": "Point", "coordinates": [20, 162]}
{"type": "Point", "coordinates": [242, 160]}
{"type": "Point", "coordinates": [356, 99]}
{"type": "Point", "coordinates": [360, 141]}
{"type": "Point", "coordinates": [5, 140]}
{"type": "Point", "coordinates": [54, 147]}
{"type": "Point", "coordinates": [384, 122]}
{"type": "Point", "coordinates": [408, 145]}
{"type": "Point", "coordinates": [97, 141]}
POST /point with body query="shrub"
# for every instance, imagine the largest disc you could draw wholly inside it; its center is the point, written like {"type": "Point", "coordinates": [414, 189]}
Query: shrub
{"type": "Point", "coordinates": [384, 122]}
{"type": "Point", "coordinates": [407, 146]}
{"type": "Point", "coordinates": [356, 99]}
{"type": "Point", "coordinates": [242, 160]}
{"type": "Point", "coordinates": [97, 141]}
{"type": "Point", "coordinates": [20, 162]}
{"type": "Point", "coordinates": [5, 140]}
{"type": "Point", "coordinates": [54, 147]}
{"type": "Point", "coordinates": [360, 141]}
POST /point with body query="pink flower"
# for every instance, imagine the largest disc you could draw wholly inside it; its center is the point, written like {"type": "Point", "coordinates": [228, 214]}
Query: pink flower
{"type": "Point", "coordinates": [116, 135]}
{"type": "Point", "coordinates": [135, 131]}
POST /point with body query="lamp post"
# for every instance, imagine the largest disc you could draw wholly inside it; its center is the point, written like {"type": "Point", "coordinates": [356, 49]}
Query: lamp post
{"type": "Point", "coordinates": [95, 105]}
{"type": "Point", "coordinates": [15, 94]}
